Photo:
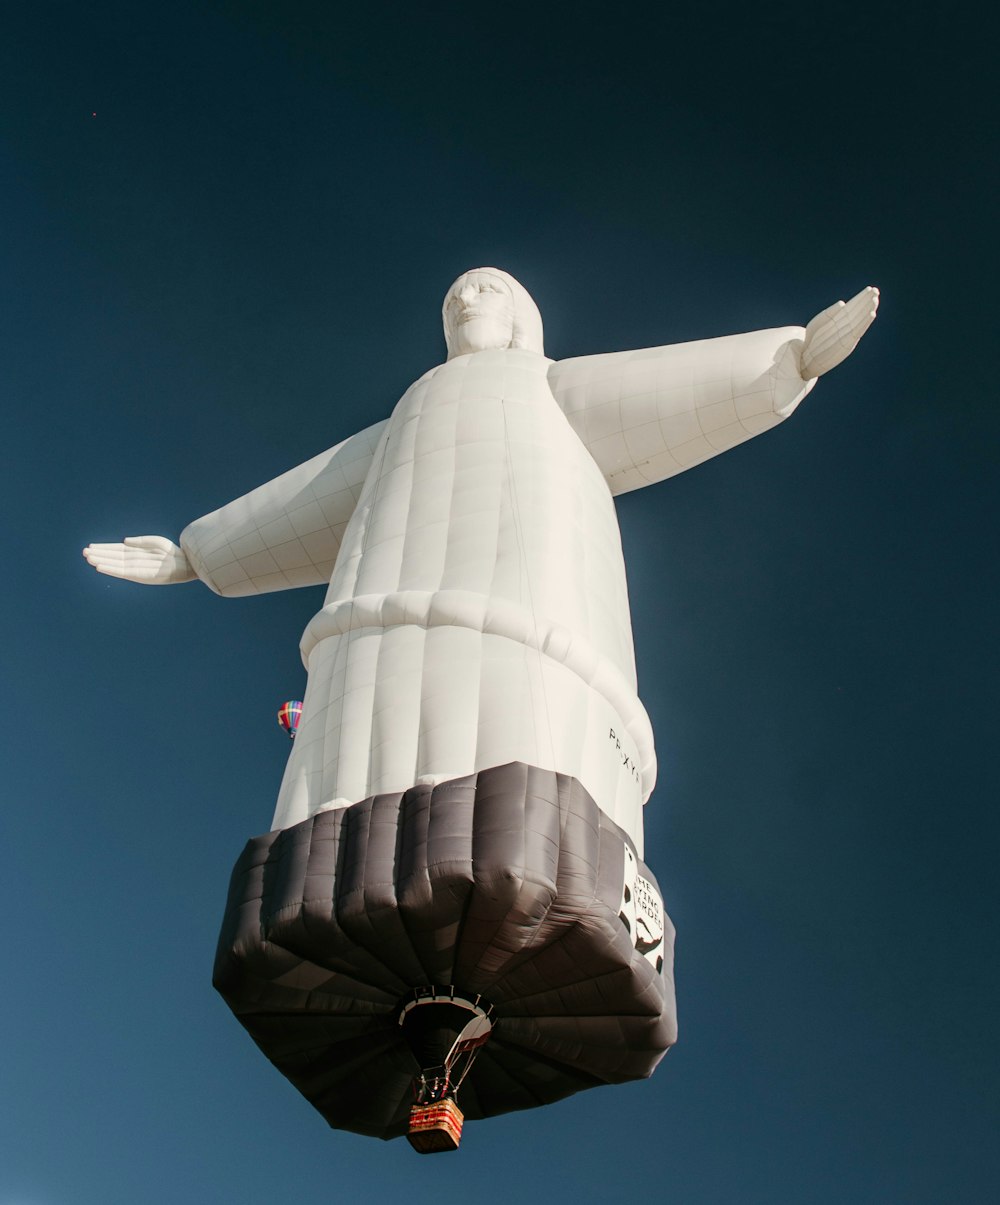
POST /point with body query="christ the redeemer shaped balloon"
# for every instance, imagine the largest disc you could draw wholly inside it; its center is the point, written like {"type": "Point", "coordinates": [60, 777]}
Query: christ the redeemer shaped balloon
{"type": "Point", "coordinates": [458, 835]}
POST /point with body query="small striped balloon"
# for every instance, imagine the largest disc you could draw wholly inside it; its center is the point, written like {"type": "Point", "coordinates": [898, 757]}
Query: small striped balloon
{"type": "Point", "coordinates": [289, 715]}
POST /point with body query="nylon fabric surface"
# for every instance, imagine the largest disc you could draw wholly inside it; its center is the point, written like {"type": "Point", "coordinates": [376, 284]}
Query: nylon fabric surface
{"type": "Point", "coordinates": [477, 609]}
{"type": "Point", "coordinates": [649, 414]}
{"type": "Point", "coordinates": [483, 526]}
{"type": "Point", "coordinates": [507, 883]}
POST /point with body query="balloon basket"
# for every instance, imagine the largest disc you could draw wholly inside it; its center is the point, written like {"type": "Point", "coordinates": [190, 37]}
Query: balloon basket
{"type": "Point", "coordinates": [435, 1127]}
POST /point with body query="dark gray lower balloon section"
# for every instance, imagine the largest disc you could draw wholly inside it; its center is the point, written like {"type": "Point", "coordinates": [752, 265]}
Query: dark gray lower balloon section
{"type": "Point", "coordinates": [510, 884]}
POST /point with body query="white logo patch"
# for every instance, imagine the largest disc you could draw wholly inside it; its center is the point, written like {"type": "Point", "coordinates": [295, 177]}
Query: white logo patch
{"type": "Point", "coordinates": [642, 912]}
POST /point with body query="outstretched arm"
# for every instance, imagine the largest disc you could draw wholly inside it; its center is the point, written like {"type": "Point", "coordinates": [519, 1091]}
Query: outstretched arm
{"type": "Point", "coordinates": [285, 533]}
{"type": "Point", "coordinates": [647, 415]}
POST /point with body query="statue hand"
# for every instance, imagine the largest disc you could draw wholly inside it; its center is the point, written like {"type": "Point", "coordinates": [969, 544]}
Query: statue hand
{"type": "Point", "coordinates": [834, 334]}
{"type": "Point", "coordinates": [152, 560]}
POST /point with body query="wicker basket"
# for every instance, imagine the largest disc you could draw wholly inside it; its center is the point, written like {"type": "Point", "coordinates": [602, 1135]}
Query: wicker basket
{"type": "Point", "coordinates": [436, 1127]}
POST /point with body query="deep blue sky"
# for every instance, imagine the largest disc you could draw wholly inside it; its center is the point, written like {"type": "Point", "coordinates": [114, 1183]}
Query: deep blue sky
{"type": "Point", "coordinates": [227, 229]}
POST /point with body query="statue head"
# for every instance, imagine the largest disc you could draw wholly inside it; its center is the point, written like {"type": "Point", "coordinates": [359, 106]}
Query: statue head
{"type": "Point", "coordinates": [486, 308]}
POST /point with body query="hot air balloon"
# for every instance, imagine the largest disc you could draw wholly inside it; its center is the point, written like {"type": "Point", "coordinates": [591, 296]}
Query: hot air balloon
{"type": "Point", "coordinates": [289, 715]}
{"type": "Point", "coordinates": [451, 905]}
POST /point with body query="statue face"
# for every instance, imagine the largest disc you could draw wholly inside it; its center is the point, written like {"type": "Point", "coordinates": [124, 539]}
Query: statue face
{"type": "Point", "coordinates": [479, 313]}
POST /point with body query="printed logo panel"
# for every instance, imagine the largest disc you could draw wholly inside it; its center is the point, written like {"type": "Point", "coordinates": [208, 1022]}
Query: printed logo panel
{"type": "Point", "coordinates": [642, 912]}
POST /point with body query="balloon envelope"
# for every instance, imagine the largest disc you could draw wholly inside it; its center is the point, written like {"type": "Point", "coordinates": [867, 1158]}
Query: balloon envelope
{"type": "Point", "coordinates": [289, 715]}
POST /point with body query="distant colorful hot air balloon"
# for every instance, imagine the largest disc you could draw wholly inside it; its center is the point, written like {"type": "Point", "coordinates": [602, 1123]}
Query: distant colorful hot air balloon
{"type": "Point", "coordinates": [289, 715]}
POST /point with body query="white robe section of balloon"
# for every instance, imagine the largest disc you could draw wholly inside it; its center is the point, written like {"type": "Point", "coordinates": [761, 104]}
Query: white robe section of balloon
{"type": "Point", "coordinates": [477, 610]}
